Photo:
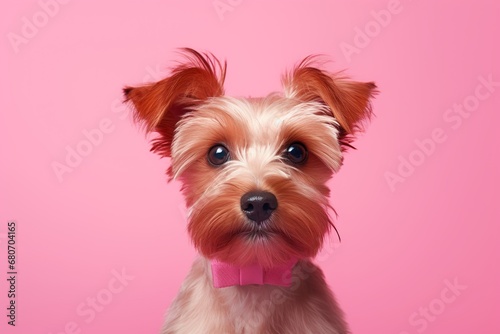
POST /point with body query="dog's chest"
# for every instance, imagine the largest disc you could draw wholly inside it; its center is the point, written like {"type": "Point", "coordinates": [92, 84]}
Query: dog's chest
{"type": "Point", "coordinates": [249, 308]}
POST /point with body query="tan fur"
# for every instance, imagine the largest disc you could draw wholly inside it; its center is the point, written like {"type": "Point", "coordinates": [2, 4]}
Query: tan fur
{"type": "Point", "coordinates": [190, 113]}
{"type": "Point", "coordinates": [306, 307]}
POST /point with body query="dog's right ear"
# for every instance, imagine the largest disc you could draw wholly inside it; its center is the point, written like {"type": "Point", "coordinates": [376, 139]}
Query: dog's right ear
{"type": "Point", "coordinates": [159, 106]}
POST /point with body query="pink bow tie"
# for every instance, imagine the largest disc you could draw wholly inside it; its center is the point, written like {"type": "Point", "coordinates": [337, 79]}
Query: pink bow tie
{"type": "Point", "coordinates": [225, 274]}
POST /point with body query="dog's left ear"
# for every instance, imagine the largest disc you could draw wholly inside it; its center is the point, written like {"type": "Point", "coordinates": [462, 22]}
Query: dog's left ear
{"type": "Point", "coordinates": [348, 100]}
{"type": "Point", "coordinates": [159, 106]}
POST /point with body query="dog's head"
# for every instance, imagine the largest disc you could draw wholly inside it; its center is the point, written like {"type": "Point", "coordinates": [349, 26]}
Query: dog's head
{"type": "Point", "coordinates": [253, 170]}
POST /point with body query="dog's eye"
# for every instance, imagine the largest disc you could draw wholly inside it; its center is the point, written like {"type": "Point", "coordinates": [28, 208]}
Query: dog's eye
{"type": "Point", "coordinates": [218, 155]}
{"type": "Point", "coordinates": [296, 153]}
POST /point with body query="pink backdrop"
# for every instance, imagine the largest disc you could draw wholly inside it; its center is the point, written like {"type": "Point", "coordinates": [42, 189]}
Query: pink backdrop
{"type": "Point", "coordinates": [101, 241]}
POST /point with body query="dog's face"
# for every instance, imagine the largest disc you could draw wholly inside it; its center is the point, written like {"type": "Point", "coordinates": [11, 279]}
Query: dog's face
{"type": "Point", "coordinates": [253, 170]}
{"type": "Point", "coordinates": [254, 174]}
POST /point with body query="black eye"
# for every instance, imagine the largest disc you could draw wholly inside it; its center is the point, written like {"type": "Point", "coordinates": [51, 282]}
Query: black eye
{"type": "Point", "coordinates": [296, 153]}
{"type": "Point", "coordinates": [218, 155]}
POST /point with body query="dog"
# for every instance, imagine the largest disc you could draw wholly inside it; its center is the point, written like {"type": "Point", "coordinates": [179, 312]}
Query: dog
{"type": "Point", "coordinates": [253, 174]}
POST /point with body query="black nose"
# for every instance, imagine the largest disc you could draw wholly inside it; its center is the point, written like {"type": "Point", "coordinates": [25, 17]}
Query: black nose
{"type": "Point", "coordinates": [258, 205]}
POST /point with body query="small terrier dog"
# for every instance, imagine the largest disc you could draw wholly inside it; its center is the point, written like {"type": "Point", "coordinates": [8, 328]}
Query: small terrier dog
{"type": "Point", "coordinates": [253, 173]}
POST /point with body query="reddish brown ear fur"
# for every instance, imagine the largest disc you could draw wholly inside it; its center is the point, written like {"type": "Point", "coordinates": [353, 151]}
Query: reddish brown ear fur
{"type": "Point", "coordinates": [348, 100]}
{"type": "Point", "coordinates": [160, 105]}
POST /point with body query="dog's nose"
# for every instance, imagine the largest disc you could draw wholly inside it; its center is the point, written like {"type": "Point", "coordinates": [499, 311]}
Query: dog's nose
{"type": "Point", "coordinates": [258, 205]}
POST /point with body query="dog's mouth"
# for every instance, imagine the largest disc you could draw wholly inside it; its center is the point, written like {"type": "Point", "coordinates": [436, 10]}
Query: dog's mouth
{"type": "Point", "coordinates": [260, 231]}
{"type": "Point", "coordinates": [255, 231]}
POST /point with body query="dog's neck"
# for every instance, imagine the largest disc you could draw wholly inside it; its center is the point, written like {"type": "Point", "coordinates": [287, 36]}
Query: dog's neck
{"type": "Point", "coordinates": [226, 274]}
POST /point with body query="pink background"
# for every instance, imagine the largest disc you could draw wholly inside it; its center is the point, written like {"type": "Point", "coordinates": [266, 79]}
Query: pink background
{"type": "Point", "coordinates": [114, 210]}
